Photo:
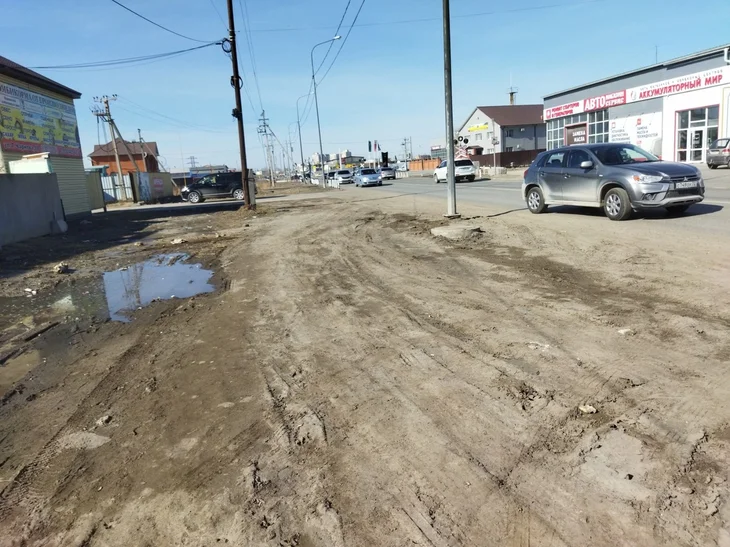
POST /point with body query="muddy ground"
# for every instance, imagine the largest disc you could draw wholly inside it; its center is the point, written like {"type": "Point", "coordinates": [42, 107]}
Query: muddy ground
{"type": "Point", "coordinates": [556, 380]}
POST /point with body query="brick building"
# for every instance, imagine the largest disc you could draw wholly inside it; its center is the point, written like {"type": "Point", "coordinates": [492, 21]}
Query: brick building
{"type": "Point", "coordinates": [144, 154]}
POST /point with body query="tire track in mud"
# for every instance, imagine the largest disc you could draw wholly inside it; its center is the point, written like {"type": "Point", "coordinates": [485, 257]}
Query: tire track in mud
{"type": "Point", "coordinates": [594, 382]}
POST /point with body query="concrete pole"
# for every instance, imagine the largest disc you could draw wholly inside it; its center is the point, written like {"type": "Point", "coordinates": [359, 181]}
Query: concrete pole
{"type": "Point", "coordinates": [449, 105]}
{"type": "Point", "coordinates": [316, 106]}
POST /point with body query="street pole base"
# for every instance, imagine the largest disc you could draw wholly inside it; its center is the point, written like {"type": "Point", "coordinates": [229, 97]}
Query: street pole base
{"type": "Point", "coordinates": [454, 216]}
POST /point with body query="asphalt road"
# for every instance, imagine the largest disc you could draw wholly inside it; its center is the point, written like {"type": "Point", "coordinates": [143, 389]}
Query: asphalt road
{"type": "Point", "coordinates": [711, 216]}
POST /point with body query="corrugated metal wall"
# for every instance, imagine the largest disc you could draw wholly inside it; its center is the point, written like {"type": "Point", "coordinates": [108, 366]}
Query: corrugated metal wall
{"type": "Point", "coordinates": [70, 171]}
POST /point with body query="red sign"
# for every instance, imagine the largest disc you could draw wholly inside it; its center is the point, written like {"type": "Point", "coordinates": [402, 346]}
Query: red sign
{"type": "Point", "coordinates": [605, 101]}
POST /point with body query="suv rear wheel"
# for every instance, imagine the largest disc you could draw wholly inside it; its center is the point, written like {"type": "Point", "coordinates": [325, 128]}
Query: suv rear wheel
{"type": "Point", "coordinates": [238, 194]}
{"type": "Point", "coordinates": [616, 204]}
{"type": "Point", "coordinates": [535, 201]}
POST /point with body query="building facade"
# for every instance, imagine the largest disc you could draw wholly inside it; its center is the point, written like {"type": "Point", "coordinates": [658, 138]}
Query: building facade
{"type": "Point", "coordinates": [673, 109]}
{"type": "Point", "coordinates": [144, 156]}
{"type": "Point", "coordinates": [515, 128]}
{"type": "Point", "coordinates": [38, 115]}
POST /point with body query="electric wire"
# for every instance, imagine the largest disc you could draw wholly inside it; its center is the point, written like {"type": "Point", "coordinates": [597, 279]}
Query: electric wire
{"type": "Point", "coordinates": [157, 24]}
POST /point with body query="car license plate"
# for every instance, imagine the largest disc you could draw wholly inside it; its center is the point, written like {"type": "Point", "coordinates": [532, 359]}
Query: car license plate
{"type": "Point", "coordinates": [688, 184]}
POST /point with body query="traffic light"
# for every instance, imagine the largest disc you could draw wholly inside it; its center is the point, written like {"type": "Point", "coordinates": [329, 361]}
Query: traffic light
{"type": "Point", "coordinates": [384, 158]}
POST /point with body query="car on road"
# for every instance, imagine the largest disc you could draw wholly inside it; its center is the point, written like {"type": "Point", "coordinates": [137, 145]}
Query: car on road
{"type": "Point", "coordinates": [387, 173]}
{"type": "Point", "coordinates": [367, 177]}
{"type": "Point", "coordinates": [718, 153]}
{"type": "Point", "coordinates": [617, 177]}
{"type": "Point", "coordinates": [465, 170]}
{"type": "Point", "coordinates": [217, 185]}
{"type": "Point", "coordinates": [343, 176]}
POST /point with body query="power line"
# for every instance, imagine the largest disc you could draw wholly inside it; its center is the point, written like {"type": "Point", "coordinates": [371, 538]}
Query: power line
{"type": "Point", "coordinates": [212, 3]}
{"type": "Point", "coordinates": [344, 41]}
{"type": "Point", "coordinates": [130, 10]}
{"type": "Point", "coordinates": [249, 42]}
{"type": "Point", "coordinates": [166, 117]}
{"type": "Point", "coordinates": [432, 19]}
{"type": "Point", "coordinates": [339, 26]}
{"type": "Point", "coordinates": [126, 60]}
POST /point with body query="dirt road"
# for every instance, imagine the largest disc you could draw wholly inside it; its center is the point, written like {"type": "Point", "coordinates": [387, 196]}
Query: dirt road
{"type": "Point", "coordinates": [357, 382]}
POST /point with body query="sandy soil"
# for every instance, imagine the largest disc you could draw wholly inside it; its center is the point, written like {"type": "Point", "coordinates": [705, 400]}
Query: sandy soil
{"type": "Point", "coordinates": [357, 382]}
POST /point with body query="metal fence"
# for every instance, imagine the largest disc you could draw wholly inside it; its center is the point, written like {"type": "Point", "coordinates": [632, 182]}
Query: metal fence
{"type": "Point", "coordinates": [117, 190]}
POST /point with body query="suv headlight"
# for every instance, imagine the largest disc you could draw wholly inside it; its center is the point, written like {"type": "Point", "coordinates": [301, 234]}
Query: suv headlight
{"type": "Point", "coordinates": [648, 179]}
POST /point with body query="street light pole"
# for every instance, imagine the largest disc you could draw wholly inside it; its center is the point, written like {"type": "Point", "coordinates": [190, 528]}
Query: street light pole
{"type": "Point", "coordinates": [299, 127]}
{"type": "Point", "coordinates": [316, 105]}
{"type": "Point", "coordinates": [449, 104]}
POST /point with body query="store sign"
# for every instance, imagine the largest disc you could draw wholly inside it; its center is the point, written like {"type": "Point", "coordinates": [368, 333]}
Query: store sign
{"type": "Point", "coordinates": [563, 110]}
{"type": "Point", "coordinates": [437, 147]}
{"type": "Point", "coordinates": [576, 134]}
{"type": "Point", "coordinates": [644, 131]}
{"type": "Point", "coordinates": [31, 123]}
{"type": "Point", "coordinates": [699, 80]}
{"type": "Point", "coordinates": [478, 127]}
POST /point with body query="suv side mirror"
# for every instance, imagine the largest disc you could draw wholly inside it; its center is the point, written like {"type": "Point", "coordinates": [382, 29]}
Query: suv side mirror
{"type": "Point", "coordinates": [586, 164]}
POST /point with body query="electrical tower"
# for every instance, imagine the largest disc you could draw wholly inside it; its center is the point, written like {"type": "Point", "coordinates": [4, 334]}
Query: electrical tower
{"type": "Point", "coordinates": [192, 162]}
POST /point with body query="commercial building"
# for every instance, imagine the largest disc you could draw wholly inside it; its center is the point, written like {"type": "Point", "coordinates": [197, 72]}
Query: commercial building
{"type": "Point", "coordinates": [673, 109]}
{"type": "Point", "coordinates": [512, 133]}
{"type": "Point", "coordinates": [38, 115]}
{"type": "Point", "coordinates": [143, 154]}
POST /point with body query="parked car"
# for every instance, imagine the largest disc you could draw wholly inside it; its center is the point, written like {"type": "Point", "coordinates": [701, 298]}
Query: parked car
{"type": "Point", "coordinates": [465, 170]}
{"type": "Point", "coordinates": [718, 153]}
{"type": "Point", "coordinates": [617, 177]}
{"type": "Point", "coordinates": [367, 177]}
{"type": "Point", "coordinates": [218, 185]}
{"type": "Point", "coordinates": [343, 176]}
{"type": "Point", "coordinates": [387, 173]}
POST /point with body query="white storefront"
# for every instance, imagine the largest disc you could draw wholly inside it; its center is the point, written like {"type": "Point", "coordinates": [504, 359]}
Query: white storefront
{"type": "Point", "coordinates": [675, 118]}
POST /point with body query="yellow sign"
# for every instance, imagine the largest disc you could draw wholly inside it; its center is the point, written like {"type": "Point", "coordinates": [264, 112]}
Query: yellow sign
{"type": "Point", "coordinates": [480, 127]}
{"type": "Point", "coordinates": [31, 123]}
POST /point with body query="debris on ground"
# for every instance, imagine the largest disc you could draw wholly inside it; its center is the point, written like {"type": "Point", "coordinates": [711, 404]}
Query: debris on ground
{"type": "Point", "coordinates": [178, 241]}
{"type": "Point", "coordinates": [104, 420]}
{"type": "Point", "coordinates": [587, 409]}
{"type": "Point", "coordinates": [62, 268]}
{"type": "Point", "coordinates": [627, 332]}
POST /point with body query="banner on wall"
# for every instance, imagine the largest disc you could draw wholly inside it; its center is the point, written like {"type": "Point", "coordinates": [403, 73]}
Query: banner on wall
{"type": "Point", "coordinates": [31, 123]}
{"type": "Point", "coordinates": [576, 134]}
{"type": "Point", "coordinates": [644, 131]}
{"type": "Point", "coordinates": [681, 84]}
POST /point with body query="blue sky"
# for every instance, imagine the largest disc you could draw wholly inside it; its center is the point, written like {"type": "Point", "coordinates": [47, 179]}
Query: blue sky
{"type": "Point", "coordinates": [387, 83]}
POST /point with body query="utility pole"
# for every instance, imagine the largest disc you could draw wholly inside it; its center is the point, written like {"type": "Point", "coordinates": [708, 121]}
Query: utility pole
{"type": "Point", "coordinates": [106, 115]}
{"type": "Point", "coordinates": [268, 147]}
{"type": "Point", "coordinates": [248, 196]}
{"type": "Point", "coordinates": [192, 162]}
{"type": "Point", "coordinates": [449, 106]}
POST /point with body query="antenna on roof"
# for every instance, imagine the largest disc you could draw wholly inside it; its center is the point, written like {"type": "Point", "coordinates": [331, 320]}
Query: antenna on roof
{"type": "Point", "coordinates": [512, 91]}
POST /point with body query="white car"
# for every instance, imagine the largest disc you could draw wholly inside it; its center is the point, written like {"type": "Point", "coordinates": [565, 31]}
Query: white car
{"type": "Point", "coordinates": [343, 176]}
{"type": "Point", "coordinates": [465, 170]}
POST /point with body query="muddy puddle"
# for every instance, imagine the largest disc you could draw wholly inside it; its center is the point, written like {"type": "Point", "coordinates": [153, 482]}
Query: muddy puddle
{"type": "Point", "coordinates": [113, 295]}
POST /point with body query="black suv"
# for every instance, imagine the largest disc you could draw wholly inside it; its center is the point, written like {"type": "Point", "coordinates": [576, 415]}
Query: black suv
{"type": "Point", "coordinates": [218, 185]}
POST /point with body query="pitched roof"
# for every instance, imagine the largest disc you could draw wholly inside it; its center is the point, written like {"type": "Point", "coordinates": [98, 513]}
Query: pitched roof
{"type": "Point", "coordinates": [135, 149]}
{"type": "Point", "coordinates": [14, 70]}
{"type": "Point", "coordinates": [517, 114]}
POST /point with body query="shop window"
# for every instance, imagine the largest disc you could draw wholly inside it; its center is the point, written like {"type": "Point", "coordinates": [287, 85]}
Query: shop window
{"type": "Point", "coordinates": [598, 126]}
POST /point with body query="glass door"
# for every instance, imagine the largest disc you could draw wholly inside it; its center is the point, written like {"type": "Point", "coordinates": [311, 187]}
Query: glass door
{"type": "Point", "coordinates": [697, 145]}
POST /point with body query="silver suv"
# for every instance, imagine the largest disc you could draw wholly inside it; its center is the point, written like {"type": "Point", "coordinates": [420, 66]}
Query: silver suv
{"type": "Point", "coordinates": [617, 177]}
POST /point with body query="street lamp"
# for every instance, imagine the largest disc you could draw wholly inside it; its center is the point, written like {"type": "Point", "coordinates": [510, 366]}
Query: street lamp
{"type": "Point", "coordinates": [299, 127]}
{"type": "Point", "coordinates": [316, 104]}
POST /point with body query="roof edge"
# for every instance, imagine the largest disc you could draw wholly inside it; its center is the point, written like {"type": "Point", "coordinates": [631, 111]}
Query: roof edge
{"type": "Point", "coordinates": [29, 76]}
{"type": "Point", "coordinates": [707, 53]}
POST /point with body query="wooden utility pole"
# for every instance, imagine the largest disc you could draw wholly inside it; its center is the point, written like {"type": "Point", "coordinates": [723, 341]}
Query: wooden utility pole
{"type": "Point", "coordinates": [248, 195]}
